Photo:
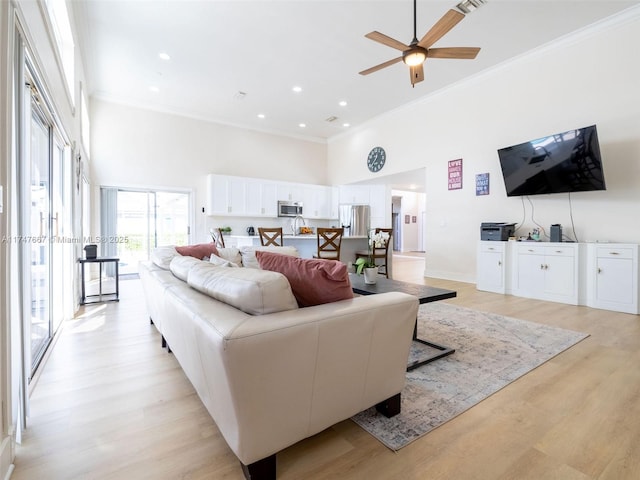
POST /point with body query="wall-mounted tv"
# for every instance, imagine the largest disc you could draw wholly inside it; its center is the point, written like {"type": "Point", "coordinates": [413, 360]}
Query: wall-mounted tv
{"type": "Point", "coordinates": [565, 162]}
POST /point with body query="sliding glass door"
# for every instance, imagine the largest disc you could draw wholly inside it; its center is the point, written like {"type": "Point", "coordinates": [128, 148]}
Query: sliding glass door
{"type": "Point", "coordinates": [45, 198]}
{"type": "Point", "coordinates": [142, 220]}
{"type": "Point", "coordinates": [37, 245]}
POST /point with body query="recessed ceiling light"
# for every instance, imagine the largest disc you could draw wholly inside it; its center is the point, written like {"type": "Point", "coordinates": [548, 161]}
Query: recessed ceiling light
{"type": "Point", "coordinates": [346, 125]}
{"type": "Point", "coordinates": [154, 89]}
{"type": "Point", "coordinates": [261, 115]}
{"type": "Point", "coordinates": [164, 56]}
{"type": "Point", "coordinates": [343, 103]}
{"type": "Point", "coordinates": [302, 125]}
{"type": "Point", "coordinates": [297, 89]}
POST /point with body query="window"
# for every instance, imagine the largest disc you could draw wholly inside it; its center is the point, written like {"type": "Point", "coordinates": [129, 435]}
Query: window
{"type": "Point", "coordinates": [59, 16]}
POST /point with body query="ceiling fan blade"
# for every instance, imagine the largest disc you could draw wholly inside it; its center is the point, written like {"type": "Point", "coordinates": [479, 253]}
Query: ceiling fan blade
{"type": "Point", "coordinates": [442, 26]}
{"type": "Point", "coordinates": [381, 66]}
{"type": "Point", "coordinates": [417, 74]}
{"type": "Point", "coordinates": [453, 52]}
{"type": "Point", "coordinates": [388, 41]}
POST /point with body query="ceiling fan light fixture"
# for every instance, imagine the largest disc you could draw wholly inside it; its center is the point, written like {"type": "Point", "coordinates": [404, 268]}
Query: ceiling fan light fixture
{"type": "Point", "coordinates": [414, 56]}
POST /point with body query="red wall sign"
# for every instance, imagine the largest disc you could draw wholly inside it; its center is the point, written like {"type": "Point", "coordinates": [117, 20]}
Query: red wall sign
{"type": "Point", "coordinates": [455, 174]}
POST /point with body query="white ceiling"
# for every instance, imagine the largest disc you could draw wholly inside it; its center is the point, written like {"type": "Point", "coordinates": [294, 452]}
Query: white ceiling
{"type": "Point", "coordinates": [265, 47]}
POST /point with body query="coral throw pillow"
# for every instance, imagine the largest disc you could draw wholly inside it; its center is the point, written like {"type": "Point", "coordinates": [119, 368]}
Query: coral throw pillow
{"type": "Point", "coordinates": [313, 281]}
{"type": "Point", "coordinates": [199, 251]}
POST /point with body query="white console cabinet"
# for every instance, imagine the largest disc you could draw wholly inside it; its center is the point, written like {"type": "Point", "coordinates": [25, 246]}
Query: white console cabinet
{"type": "Point", "coordinates": [599, 275]}
{"type": "Point", "coordinates": [547, 271]}
{"type": "Point", "coordinates": [612, 277]}
{"type": "Point", "coordinates": [492, 267]}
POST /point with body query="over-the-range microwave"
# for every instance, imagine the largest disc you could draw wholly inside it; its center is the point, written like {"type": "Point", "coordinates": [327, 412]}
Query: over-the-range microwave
{"type": "Point", "coordinates": [289, 209]}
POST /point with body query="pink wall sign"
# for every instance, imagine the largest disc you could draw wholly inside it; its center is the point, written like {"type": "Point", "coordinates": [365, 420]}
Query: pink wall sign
{"type": "Point", "coordinates": [455, 174]}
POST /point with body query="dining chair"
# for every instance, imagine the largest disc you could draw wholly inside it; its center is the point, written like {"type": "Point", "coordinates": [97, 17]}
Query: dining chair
{"type": "Point", "coordinates": [271, 236]}
{"type": "Point", "coordinates": [329, 240]}
{"type": "Point", "coordinates": [216, 236]}
{"type": "Point", "coordinates": [377, 253]}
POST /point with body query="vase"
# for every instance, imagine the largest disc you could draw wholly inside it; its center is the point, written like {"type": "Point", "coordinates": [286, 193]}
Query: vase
{"type": "Point", "coordinates": [370, 275]}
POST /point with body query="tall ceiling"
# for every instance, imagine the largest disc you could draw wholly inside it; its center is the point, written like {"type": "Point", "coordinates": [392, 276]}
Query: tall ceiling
{"type": "Point", "coordinates": [263, 48]}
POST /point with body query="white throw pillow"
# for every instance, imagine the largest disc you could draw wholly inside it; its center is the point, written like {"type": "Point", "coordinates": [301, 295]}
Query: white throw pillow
{"type": "Point", "coordinates": [162, 256]}
{"type": "Point", "coordinates": [221, 262]}
{"type": "Point", "coordinates": [249, 259]}
{"type": "Point", "coordinates": [231, 254]}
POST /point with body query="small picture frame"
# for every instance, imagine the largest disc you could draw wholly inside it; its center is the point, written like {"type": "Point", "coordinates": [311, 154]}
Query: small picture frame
{"type": "Point", "coordinates": [407, 218]}
{"type": "Point", "coordinates": [414, 219]}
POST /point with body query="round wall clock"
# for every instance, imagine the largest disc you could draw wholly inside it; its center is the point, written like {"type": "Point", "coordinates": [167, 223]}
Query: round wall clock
{"type": "Point", "coordinates": [376, 158]}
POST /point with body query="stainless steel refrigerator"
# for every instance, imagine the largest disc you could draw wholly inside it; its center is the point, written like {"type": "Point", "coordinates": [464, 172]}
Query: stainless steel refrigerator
{"type": "Point", "coordinates": [355, 219]}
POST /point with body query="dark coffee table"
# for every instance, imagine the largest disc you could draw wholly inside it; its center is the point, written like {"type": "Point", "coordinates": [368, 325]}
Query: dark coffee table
{"type": "Point", "coordinates": [424, 293]}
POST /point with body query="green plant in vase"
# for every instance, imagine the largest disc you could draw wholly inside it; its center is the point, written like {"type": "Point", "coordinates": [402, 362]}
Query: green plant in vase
{"type": "Point", "coordinates": [375, 240]}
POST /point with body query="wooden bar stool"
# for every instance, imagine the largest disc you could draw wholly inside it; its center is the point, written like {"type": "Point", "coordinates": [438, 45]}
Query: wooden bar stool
{"type": "Point", "coordinates": [271, 236]}
{"type": "Point", "coordinates": [329, 240]}
{"type": "Point", "coordinates": [218, 239]}
{"type": "Point", "coordinates": [377, 253]}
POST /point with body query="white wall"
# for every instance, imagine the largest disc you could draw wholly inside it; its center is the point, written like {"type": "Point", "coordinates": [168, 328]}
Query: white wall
{"type": "Point", "coordinates": [591, 78]}
{"type": "Point", "coordinates": [142, 148]}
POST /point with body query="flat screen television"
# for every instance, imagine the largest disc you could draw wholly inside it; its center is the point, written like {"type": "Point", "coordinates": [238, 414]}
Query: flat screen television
{"type": "Point", "coordinates": [560, 163]}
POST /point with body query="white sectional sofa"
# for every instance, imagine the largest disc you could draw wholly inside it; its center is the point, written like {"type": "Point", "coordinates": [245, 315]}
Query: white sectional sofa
{"type": "Point", "coordinates": [271, 373]}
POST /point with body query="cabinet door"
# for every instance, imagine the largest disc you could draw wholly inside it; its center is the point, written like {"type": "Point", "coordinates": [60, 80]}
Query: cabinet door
{"type": "Point", "coordinates": [334, 202]}
{"type": "Point", "coordinates": [614, 281]}
{"type": "Point", "coordinates": [217, 195]}
{"type": "Point", "coordinates": [253, 203]}
{"type": "Point", "coordinates": [530, 274]}
{"type": "Point", "coordinates": [269, 200]}
{"type": "Point", "coordinates": [377, 200]}
{"type": "Point", "coordinates": [237, 196]}
{"type": "Point", "coordinates": [560, 278]}
{"type": "Point", "coordinates": [490, 275]}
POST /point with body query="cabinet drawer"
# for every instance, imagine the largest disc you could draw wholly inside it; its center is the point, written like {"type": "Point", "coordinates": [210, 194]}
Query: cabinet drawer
{"type": "Point", "coordinates": [531, 249]}
{"type": "Point", "coordinates": [560, 251]}
{"type": "Point", "coordinates": [613, 252]}
{"type": "Point", "coordinates": [492, 247]}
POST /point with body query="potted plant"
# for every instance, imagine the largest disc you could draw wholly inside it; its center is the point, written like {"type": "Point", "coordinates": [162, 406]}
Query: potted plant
{"type": "Point", "coordinates": [367, 264]}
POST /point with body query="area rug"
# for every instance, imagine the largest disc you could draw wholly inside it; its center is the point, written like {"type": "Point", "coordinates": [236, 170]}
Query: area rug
{"type": "Point", "coordinates": [491, 351]}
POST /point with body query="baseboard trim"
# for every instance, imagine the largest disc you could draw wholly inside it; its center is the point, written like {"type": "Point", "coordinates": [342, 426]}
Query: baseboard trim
{"type": "Point", "coordinates": [6, 457]}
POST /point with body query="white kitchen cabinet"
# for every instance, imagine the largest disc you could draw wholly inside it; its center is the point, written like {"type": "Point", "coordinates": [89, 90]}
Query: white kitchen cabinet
{"type": "Point", "coordinates": [292, 192]}
{"type": "Point", "coordinates": [491, 266]}
{"type": "Point", "coordinates": [269, 195]}
{"type": "Point", "coordinates": [547, 271]}
{"type": "Point", "coordinates": [373, 195]}
{"type": "Point", "coordinates": [334, 202]}
{"type": "Point", "coordinates": [612, 276]}
{"type": "Point", "coordinates": [254, 197]}
{"type": "Point", "coordinates": [217, 195]}
{"type": "Point", "coordinates": [358, 194]}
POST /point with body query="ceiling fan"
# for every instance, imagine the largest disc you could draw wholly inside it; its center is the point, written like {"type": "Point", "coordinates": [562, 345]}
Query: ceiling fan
{"type": "Point", "coordinates": [415, 54]}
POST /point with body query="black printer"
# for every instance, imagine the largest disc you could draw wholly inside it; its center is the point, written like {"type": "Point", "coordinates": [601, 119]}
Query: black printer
{"type": "Point", "coordinates": [496, 231]}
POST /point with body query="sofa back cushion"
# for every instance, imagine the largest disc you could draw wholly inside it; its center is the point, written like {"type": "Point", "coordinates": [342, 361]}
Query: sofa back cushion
{"type": "Point", "coordinates": [180, 266]}
{"type": "Point", "coordinates": [251, 290]}
{"type": "Point", "coordinates": [249, 254]}
{"type": "Point", "coordinates": [313, 281]}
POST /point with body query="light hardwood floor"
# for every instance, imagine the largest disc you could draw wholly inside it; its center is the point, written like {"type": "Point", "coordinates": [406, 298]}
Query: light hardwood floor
{"type": "Point", "coordinates": [112, 404]}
